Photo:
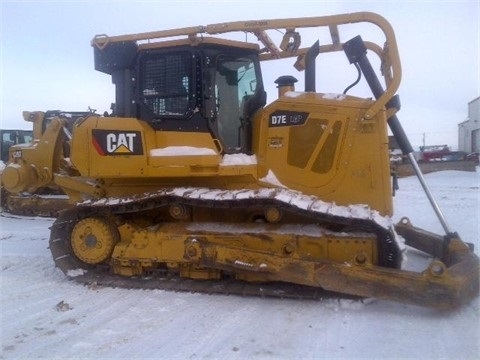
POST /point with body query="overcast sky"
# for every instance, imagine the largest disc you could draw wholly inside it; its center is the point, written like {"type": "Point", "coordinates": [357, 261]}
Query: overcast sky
{"type": "Point", "coordinates": [47, 60]}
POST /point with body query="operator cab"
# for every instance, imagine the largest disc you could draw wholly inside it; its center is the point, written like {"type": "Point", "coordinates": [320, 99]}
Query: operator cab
{"type": "Point", "coordinates": [210, 85]}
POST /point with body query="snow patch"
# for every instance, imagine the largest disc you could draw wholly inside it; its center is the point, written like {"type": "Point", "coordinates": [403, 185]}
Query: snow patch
{"type": "Point", "coordinates": [332, 96]}
{"type": "Point", "coordinates": [238, 159]}
{"type": "Point", "coordinates": [328, 96]}
{"type": "Point", "coordinates": [76, 272]}
{"type": "Point", "coordinates": [182, 151]}
{"type": "Point", "coordinates": [293, 94]}
{"type": "Point", "coordinates": [347, 304]}
{"type": "Point", "coordinates": [311, 230]}
{"type": "Point", "coordinates": [243, 264]}
{"type": "Point", "coordinates": [270, 178]}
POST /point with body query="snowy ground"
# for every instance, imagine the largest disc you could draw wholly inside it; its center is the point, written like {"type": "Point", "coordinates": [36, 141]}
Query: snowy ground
{"type": "Point", "coordinates": [116, 323]}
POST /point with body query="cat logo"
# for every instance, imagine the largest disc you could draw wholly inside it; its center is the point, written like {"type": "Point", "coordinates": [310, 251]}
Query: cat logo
{"type": "Point", "coordinates": [115, 142]}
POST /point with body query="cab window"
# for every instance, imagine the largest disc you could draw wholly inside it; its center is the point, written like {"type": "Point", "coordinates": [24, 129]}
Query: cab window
{"type": "Point", "coordinates": [235, 82]}
{"type": "Point", "coordinates": [166, 85]}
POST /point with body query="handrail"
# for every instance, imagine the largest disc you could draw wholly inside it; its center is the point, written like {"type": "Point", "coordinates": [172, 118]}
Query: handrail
{"type": "Point", "coordinates": [290, 44]}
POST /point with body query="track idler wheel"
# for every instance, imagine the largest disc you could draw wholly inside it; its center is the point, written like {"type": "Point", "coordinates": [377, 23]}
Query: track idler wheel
{"type": "Point", "coordinates": [93, 240]}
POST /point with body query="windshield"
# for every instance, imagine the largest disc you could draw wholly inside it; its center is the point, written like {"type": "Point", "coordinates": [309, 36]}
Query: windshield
{"type": "Point", "coordinates": [235, 82]}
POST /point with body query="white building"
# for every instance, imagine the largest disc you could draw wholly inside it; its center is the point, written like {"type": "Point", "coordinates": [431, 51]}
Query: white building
{"type": "Point", "coordinates": [469, 130]}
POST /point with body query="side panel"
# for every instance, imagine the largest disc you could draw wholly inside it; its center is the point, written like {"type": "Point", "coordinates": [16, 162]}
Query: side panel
{"type": "Point", "coordinates": [330, 153]}
{"type": "Point", "coordinates": [128, 148]}
{"type": "Point", "coordinates": [111, 147]}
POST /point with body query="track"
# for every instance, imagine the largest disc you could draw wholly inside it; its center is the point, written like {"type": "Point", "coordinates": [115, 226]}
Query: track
{"type": "Point", "coordinates": [44, 205]}
{"type": "Point", "coordinates": [327, 214]}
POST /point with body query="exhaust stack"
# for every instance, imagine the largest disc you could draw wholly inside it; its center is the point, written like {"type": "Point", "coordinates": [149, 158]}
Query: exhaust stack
{"type": "Point", "coordinates": [285, 83]}
{"type": "Point", "coordinates": [310, 57]}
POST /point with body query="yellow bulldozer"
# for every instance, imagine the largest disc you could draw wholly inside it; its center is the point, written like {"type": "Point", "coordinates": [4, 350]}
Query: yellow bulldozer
{"type": "Point", "coordinates": [194, 182]}
{"type": "Point", "coordinates": [34, 198]}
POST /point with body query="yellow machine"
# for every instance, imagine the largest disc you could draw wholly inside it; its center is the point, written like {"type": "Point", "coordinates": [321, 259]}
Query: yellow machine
{"type": "Point", "coordinates": [36, 194]}
{"type": "Point", "coordinates": [194, 176]}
